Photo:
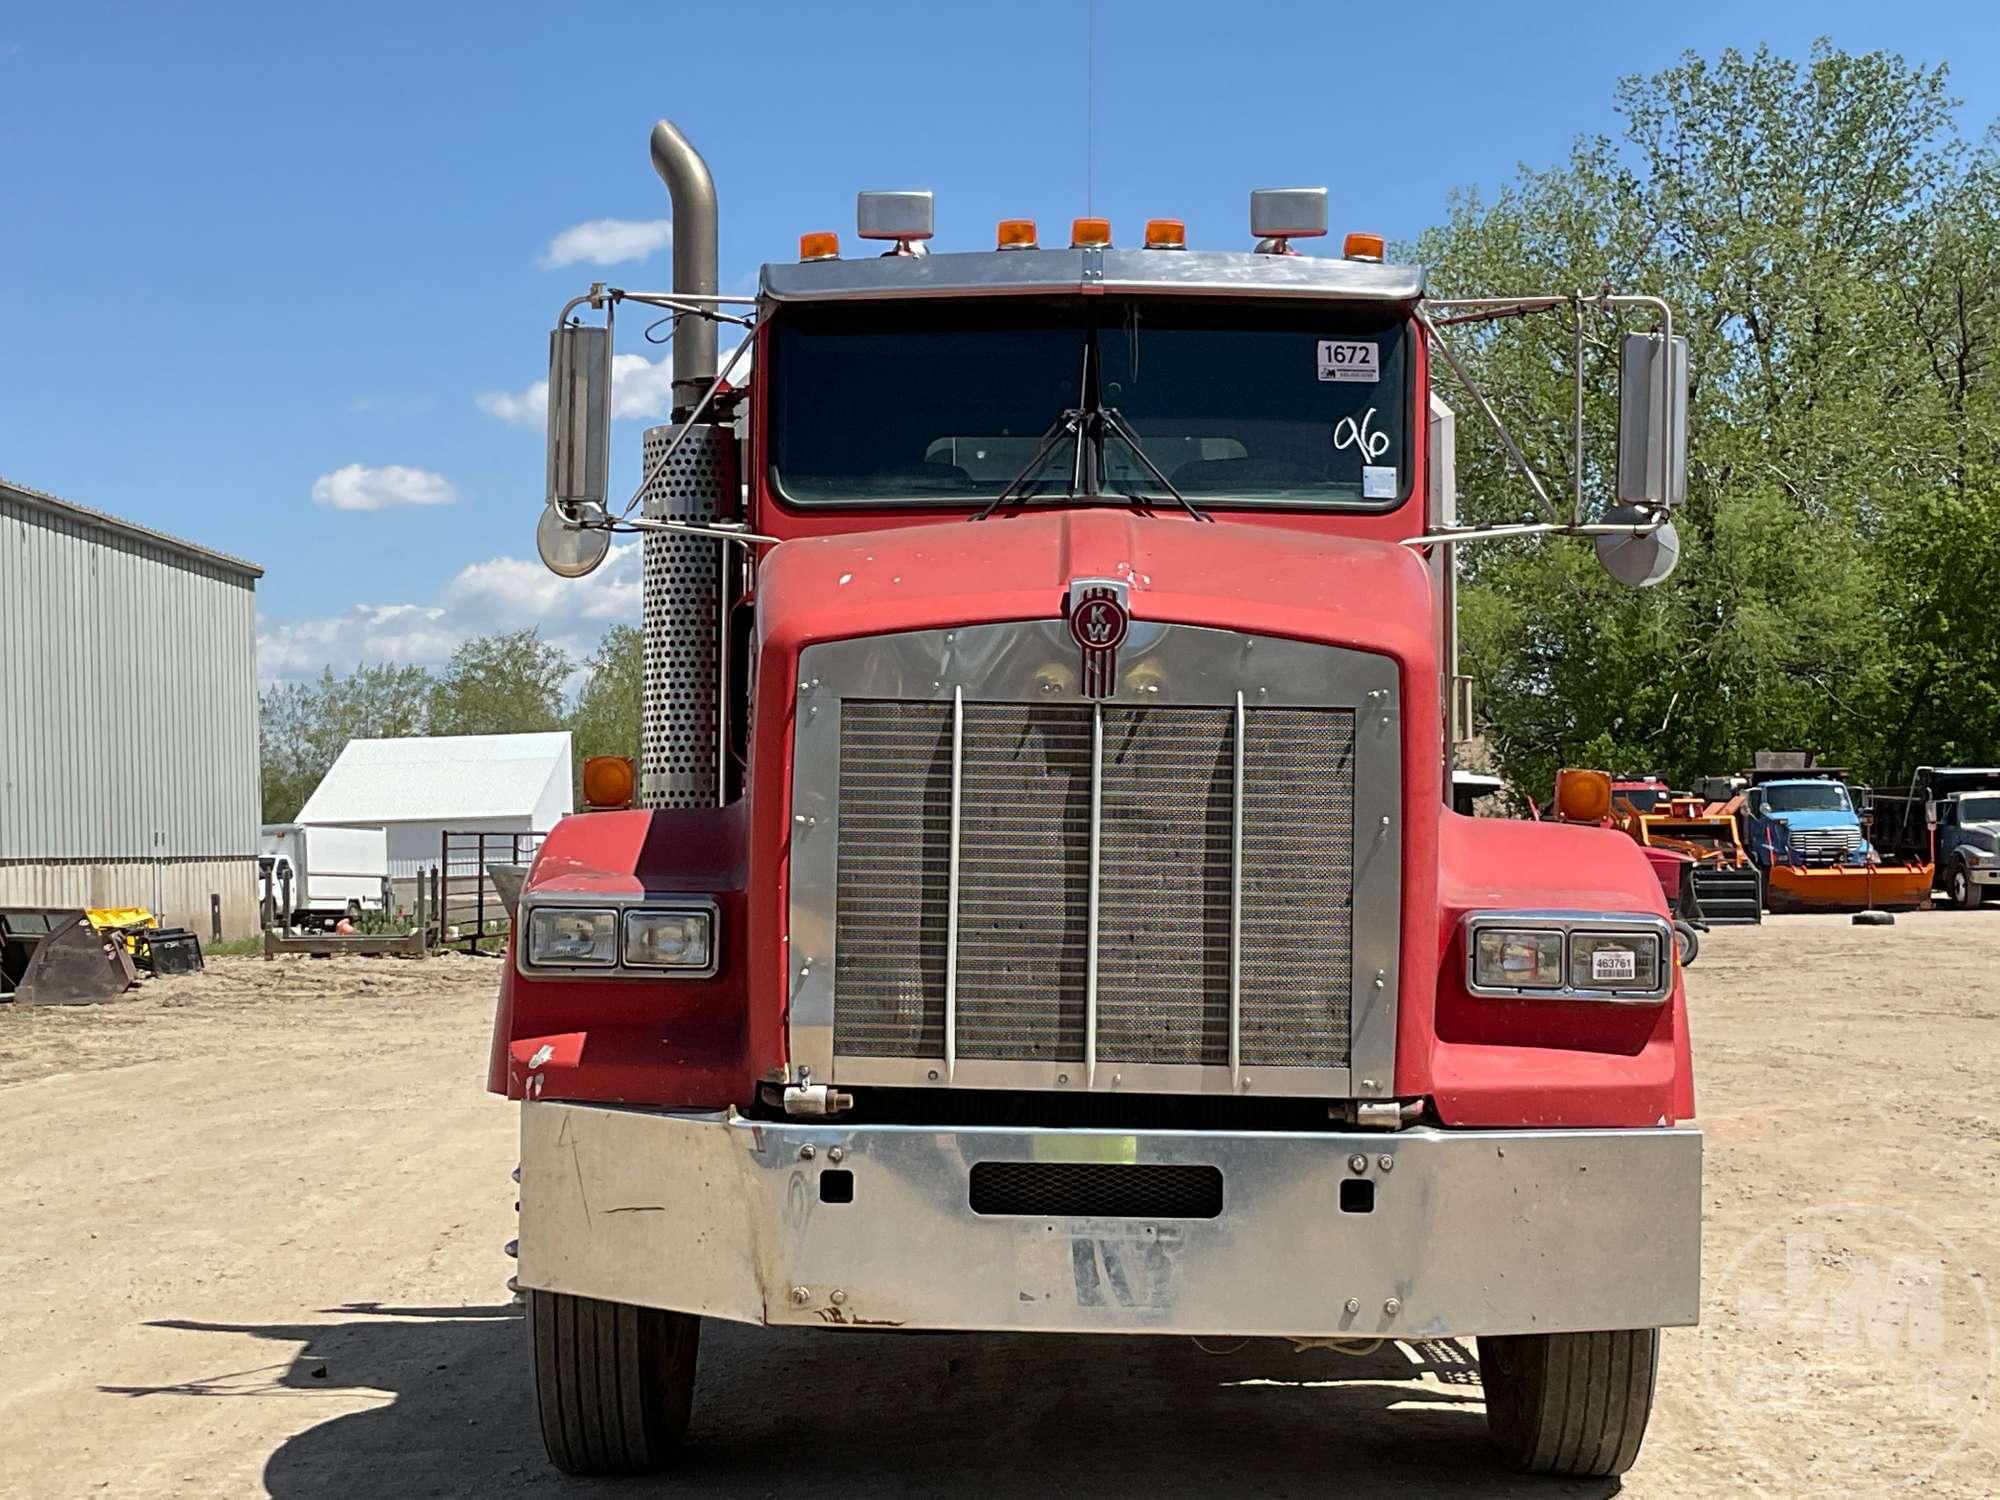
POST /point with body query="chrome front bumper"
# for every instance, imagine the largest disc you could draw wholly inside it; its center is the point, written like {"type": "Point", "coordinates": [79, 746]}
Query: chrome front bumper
{"type": "Point", "coordinates": [1467, 1232]}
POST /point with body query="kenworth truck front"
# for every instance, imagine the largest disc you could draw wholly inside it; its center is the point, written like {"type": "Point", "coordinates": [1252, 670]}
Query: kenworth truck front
{"type": "Point", "coordinates": [1044, 912]}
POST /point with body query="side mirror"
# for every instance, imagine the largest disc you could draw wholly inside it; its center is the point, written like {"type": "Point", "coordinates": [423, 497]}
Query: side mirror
{"type": "Point", "coordinates": [1652, 420]}
{"type": "Point", "coordinates": [579, 416]}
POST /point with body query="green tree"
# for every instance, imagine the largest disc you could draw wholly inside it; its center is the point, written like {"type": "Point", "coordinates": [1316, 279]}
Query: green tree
{"type": "Point", "coordinates": [304, 726]}
{"type": "Point", "coordinates": [606, 718]}
{"type": "Point", "coordinates": [1795, 215]}
{"type": "Point", "coordinates": [513, 682]}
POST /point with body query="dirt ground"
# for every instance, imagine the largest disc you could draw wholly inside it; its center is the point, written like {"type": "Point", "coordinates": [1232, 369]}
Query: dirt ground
{"type": "Point", "coordinates": [251, 1227]}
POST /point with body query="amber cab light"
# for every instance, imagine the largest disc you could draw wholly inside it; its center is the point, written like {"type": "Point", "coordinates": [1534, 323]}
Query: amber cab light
{"type": "Point", "coordinates": [823, 245]}
{"type": "Point", "coordinates": [1015, 234]}
{"type": "Point", "coordinates": [607, 783]}
{"type": "Point", "coordinates": [1090, 234]}
{"type": "Point", "coordinates": [1166, 234]}
{"type": "Point", "coordinates": [1583, 796]}
{"type": "Point", "coordinates": [1363, 247]}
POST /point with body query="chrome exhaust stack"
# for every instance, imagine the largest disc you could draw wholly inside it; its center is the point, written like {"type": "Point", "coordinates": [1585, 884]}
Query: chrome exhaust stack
{"type": "Point", "coordinates": [692, 191]}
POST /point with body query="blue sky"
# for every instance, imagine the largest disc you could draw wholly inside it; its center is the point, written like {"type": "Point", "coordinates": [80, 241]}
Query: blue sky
{"type": "Point", "coordinates": [278, 278]}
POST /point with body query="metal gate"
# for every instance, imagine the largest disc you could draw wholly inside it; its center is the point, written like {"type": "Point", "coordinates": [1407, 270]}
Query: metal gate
{"type": "Point", "coordinates": [470, 913]}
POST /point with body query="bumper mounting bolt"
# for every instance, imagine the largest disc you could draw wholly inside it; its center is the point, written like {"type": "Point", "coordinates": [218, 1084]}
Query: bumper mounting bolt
{"type": "Point", "coordinates": [1386, 1163]}
{"type": "Point", "coordinates": [1353, 1306]}
{"type": "Point", "coordinates": [1393, 1306]}
{"type": "Point", "coordinates": [1357, 1163]}
{"type": "Point", "coordinates": [834, 1153]}
{"type": "Point", "coordinates": [801, 1296]}
{"type": "Point", "coordinates": [805, 1153]}
{"type": "Point", "coordinates": [836, 1296]}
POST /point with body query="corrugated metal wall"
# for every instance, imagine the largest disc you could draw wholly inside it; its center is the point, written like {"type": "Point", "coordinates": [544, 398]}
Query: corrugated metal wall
{"type": "Point", "coordinates": [128, 694]}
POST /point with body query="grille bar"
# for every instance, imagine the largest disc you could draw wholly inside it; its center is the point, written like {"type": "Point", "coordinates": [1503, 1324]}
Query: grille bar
{"type": "Point", "coordinates": [951, 884]}
{"type": "Point", "coordinates": [1236, 909]}
{"type": "Point", "coordinates": [1096, 891]}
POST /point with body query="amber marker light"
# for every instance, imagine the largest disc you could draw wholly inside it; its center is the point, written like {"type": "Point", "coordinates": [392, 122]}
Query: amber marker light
{"type": "Point", "coordinates": [824, 245]}
{"type": "Point", "coordinates": [1166, 234]}
{"type": "Point", "coordinates": [607, 782]}
{"type": "Point", "coordinates": [1363, 247]}
{"type": "Point", "coordinates": [1090, 234]}
{"type": "Point", "coordinates": [1015, 234]}
{"type": "Point", "coordinates": [1583, 796]}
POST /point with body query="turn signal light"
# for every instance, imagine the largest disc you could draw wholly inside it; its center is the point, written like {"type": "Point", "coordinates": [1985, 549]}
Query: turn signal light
{"type": "Point", "coordinates": [1583, 796]}
{"type": "Point", "coordinates": [1166, 234]}
{"type": "Point", "coordinates": [607, 782]}
{"type": "Point", "coordinates": [1363, 247]}
{"type": "Point", "coordinates": [1016, 234]}
{"type": "Point", "coordinates": [824, 245]}
{"type": "Point", "coordinates": [1090, 234]}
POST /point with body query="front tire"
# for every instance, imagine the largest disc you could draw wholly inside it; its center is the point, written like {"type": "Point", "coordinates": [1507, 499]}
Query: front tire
{"type": "Point", "coordinates": [1965, 895]}
{"type": "Point", "coordinates": [1687, 943]}
{"type": "Point", "coordinates": [1573, 1404]}
{"type": "Point", "coordinates": [613, 1383]}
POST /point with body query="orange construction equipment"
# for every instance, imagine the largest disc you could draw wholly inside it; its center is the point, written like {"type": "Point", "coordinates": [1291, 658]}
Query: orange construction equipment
{"type": "Point", "coordinates": [1727, 888]}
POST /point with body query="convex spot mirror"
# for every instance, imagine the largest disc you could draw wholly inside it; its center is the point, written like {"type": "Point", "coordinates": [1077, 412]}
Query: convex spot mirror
{"type": "Point", "coordinates": [1641, 560]}
{"type": "Point", "coordinates": [1652, 420]}
{"type": "Point", "coordinates": [569, 550]}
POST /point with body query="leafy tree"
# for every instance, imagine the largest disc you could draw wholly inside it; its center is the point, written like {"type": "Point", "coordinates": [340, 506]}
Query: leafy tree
{"type": "Point", "coordinates": [305, 726]}
{"type": "Point", "coordinates": [605, 720]}
{"type": "Point", "coordinates": [1827, 244]}
{"type": "Point", "coordinates": [513, 682]}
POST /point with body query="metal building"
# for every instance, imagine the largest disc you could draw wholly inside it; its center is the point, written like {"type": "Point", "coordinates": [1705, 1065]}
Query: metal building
{"type": "Point", "coordinates": [128, 717]}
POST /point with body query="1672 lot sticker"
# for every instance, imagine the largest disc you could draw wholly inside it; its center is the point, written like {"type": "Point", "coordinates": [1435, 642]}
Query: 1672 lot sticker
{"type": "Point", "coordinates": [1349, 359]}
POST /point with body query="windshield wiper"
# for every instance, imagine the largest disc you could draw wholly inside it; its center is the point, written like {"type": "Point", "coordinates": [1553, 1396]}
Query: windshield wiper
{"type": "Point", "coordinates": [1069, 424]}
{"type": "Point", "coordinates": [1111, 419]}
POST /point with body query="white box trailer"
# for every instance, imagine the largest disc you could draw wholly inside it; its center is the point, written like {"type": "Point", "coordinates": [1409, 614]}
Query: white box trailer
{"type": "Point", "coordinates": [333, 872]}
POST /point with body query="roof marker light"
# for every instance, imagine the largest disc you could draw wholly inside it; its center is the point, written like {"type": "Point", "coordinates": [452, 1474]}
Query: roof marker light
{"type": "Point", "coordinates": [1166, 234]}
{"type": "Point", "coordinates": [1016, 234]}
{"type": "Point", "coordinates": [821, 245]}
{"type": "Point", "coordinates": [1090, 234]}
{"type": "Point", "coordinates": [1363, 247]}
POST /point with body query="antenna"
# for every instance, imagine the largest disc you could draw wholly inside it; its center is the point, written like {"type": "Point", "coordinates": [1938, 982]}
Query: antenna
{"type": "Point", "coordinates": [1090, 107]}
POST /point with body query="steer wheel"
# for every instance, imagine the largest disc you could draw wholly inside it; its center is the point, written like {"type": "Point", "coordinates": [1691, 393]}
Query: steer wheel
{"type": "Point", "coordinates": [1570, 1403]}
{"type": "Point", "coordinates": [613, 1383]}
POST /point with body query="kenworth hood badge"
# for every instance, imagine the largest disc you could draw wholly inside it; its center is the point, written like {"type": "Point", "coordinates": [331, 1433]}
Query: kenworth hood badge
{"type": "Point", "coordinates": [1098, 620]}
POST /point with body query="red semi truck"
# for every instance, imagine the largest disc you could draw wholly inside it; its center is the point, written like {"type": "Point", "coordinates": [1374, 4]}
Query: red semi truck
{"type": "Point", "coordinates": [1043, 911]}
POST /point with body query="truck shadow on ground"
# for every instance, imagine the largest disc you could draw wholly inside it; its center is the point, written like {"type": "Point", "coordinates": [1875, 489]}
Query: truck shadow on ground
{"type": "Point", "coordinates": [863, 1414]}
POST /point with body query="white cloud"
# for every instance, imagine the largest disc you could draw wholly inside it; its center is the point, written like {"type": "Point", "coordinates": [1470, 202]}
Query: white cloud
{"type": "Point", "coordinates": [607, 242]}
{"type": "Point", "coordinates": [641, 390]}
{"type": "Point", "coordinates": [503, 593]}
{"type": "Point", "coordinates": [358, 487]}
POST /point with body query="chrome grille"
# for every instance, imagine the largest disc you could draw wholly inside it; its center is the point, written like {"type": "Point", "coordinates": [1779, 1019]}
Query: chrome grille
{"type": "Point", "coordinates": [1223, 842]}
{"type": "Point", "coordinates": [1822, 843]}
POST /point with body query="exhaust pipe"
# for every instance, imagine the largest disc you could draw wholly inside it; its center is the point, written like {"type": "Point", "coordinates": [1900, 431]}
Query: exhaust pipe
{"type": "Point", "coordinates": [692, 192]}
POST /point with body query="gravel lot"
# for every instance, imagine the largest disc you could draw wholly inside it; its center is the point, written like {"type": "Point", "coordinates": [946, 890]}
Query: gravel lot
{"type": "Point", "coordinates": [253, 1225]}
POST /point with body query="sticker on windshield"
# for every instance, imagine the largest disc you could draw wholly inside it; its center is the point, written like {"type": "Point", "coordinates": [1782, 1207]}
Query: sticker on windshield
{"type": "Point", "coordinates": [1378, 481]}
{"type": "Point", "coordinates": [1614, 963]}
{"type": "Point", "coordinates": [1347, 359]}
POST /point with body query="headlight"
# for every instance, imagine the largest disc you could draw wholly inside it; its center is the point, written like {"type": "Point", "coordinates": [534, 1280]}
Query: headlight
{"type": "Point", "coordinates": [1614, 961]}
{"type": "Point", "coordinates": [1978, 856]}
{"type": "Point", "coordinates": [573, 937]}
{"type": "Point", "coordinates": [1619, 958]}
{"type": "Point", "coordinates": [1511, 958]}
{"type": "Point", "coordinates": [670, 940]}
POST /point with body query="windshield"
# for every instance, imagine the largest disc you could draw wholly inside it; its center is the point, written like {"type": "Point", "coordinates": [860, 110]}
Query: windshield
{"type": "Point", "coordinates": [1644, 799]}
{"type": "Point", "coordinates": [1807, 796]}
{"type": "Point", "coordinates": [944, 402]}
{"type": "Point", "coordinates": [1979, 809]}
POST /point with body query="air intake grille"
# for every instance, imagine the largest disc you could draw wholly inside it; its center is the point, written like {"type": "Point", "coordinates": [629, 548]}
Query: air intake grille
{"type": "Point", "coordinates": [1097, 1190]}
{"type": "Point", "coordinates": [1166, 888]}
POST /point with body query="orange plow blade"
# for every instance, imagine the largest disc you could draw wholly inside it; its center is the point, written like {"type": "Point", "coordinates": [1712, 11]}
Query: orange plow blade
{"type": "Point", "coordinates": [1847, 887]}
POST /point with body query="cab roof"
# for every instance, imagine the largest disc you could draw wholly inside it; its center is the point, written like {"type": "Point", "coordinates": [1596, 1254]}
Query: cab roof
{"type": "Point", "coordinates": [1057, 272]}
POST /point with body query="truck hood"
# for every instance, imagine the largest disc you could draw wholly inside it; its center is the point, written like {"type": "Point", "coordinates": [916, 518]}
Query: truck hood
{"type": "Point", "coordinates": [1982, 835]}
{"type": "Point", "coordinates": [1262, 577]}
{"type": "Point", "coordinates": [1814, 820]}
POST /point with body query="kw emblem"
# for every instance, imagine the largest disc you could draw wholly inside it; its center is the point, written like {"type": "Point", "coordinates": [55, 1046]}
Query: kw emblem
{"type": "Point", "coordinates": [1098, 620]}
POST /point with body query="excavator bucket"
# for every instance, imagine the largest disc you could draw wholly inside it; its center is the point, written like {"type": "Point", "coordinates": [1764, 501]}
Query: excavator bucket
{"type": "Point", "coordinates": [54, 956]}
{"type": "Point", "coordinates": [1848, 887]}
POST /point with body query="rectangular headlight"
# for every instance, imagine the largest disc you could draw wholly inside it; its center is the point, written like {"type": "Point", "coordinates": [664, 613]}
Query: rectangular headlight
{"type": "Point", "coordinates": [1614, 961]}
{"type": "Point", "coordinates": [1517, 958]}
{"type": "Point", "coordinates": [573, 937]}
{"type": "Point", "coordinates": [670, 940]}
